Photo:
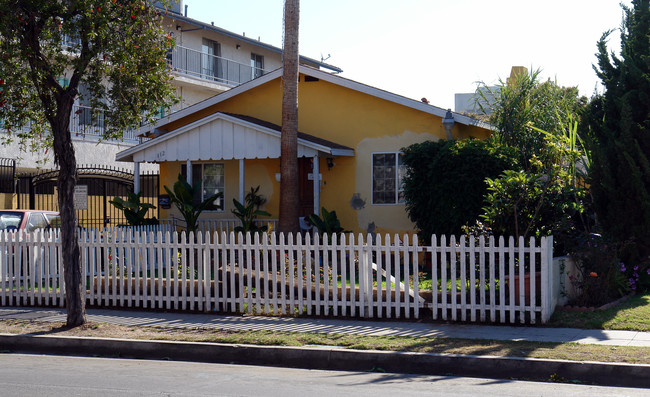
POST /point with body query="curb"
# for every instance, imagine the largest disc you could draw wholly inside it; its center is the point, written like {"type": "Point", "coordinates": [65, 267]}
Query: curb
{"type": "Point", "coordinates": [325, 358]}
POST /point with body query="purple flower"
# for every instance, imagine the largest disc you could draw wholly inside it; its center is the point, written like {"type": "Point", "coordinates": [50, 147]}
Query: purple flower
{"type": "Point", "coordinates": [636, 268]}
{"type": "Point", "coordinates": [649, 272]}
{"type": "Point", "coordinates": [623, 269]}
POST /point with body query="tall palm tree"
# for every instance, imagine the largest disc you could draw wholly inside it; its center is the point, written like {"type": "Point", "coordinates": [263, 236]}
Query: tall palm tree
{"type": "Point", "coordinates": [289, 188]}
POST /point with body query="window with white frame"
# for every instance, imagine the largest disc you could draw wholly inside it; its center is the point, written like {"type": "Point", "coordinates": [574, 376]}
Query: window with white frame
{"type": "Point", "coordinates": [388, 171]}
{"type": "Point", "coordinates": [213, 181]}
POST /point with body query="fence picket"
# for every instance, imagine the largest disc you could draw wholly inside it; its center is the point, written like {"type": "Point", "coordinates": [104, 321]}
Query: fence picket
{"type": "Point", "coordinates": [407, 288]}
{"type": "Point", "coordinates": [463, 278]}
{"type": "Point", "coordinates": [416, 273]}
{"type": "Point", "coordinates": [482, 299]}
{"type": "Point", "coordinates": [246, 263]}
{"type": "Point", "coordinates": [511, 275]}
{"type": "Point", "coordinates": [300, 273]}
{"type": "Point", "coordinates": [452, 263]}
{"type": "Point", "coordinates": [308, 270]}
{"type": "Point", "coordinates": [443, 275]}
{"type": "Point", "coordinates": [522, 298]}
{"type": "Point", "coordinates": [335, 279]}
{"type": "Point", "coordinates": [532, 271]}
{"type": "Point", "coordinates": [502, 280]}
{"type": "Point", "coordinates": [492, 283]}
{"type": "Point", "coordinates": [291, 275]}
{"type": "Point", "coordinates": [257, 264]}
{"type": "Point", "coordinates": [378, 265]}
{"type": "Point", "coordinates": [434, 275]}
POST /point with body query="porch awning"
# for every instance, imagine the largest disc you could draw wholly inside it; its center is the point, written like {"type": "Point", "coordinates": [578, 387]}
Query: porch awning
{"type": "Point", "coordinates": [226, 136]}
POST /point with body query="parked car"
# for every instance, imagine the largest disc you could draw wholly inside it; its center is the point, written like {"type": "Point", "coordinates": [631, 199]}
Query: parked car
{"type": "Point", "coordinates": [28, 220]}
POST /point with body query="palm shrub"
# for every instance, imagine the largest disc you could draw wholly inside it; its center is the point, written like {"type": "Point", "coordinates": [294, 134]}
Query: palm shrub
{"type": "Point", "coordinates": [248, 212]}
{"type": "Point", "coordinates": [134, 210]}
{"type": "Point", "coordinates": [183, 198]}
{"type": "Point", "coordinates": [329, 224]}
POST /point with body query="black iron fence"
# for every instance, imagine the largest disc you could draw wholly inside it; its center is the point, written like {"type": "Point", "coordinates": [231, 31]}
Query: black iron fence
{"type": "Point", "coordinates": [7, 175]}
{"type": "Point", "coordinates": [97, 186]}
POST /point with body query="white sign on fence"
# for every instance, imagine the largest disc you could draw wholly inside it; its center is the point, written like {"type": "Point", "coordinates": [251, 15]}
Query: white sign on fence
{"type": "Point", "coordinates": [81, 197]}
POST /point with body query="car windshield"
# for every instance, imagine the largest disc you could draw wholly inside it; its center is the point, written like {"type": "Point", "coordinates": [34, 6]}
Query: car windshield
{"type": "Point", "coordinates": [10, 220]}
{"type": "Point", "coordinates": [54, 220]}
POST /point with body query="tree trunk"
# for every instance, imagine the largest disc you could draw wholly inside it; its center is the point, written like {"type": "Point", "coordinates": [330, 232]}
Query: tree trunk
{"type": "Point", "coordinates": [65, 157]}
{"type": "Point", "coordinates": [289, 194]}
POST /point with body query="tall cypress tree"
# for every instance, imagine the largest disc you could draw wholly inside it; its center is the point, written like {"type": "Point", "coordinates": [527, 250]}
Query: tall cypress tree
{"type": "Point", "coordinates": [620, 142]}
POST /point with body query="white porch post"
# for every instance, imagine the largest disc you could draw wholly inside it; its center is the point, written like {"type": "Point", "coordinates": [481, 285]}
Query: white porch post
{"type": "Point", "coordinates": [136, 178]}
{"type": "Point", "coordinates": [189, 172]}
{"type": "Point", "coordinates": [241, 181]}
{"type": "Point", "coordinates": [316, 173]}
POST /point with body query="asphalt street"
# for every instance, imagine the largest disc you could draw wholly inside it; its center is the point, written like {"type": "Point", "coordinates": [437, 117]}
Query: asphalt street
{"type": "Point", "coordinates": [37, 375]}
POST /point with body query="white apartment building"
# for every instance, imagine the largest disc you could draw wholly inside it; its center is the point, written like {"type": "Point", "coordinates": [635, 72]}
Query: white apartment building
{"type": "Point", "coordinates": [206, 61]}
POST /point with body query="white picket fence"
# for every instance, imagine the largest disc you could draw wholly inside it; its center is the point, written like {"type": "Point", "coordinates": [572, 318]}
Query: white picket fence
{"type": "Point", "coordinates": [270, 274]}
{"type": "Point", "coordinates": [488, 280]}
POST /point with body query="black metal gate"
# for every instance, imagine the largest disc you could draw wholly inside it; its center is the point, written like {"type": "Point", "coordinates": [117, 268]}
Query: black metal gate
{"type": "Point", "coordinates": [39, 191]}
{"type": "Point", "coordinates": [7, 175]}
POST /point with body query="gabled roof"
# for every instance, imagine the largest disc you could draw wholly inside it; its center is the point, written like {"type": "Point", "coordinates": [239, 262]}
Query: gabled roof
{"type": "Point", "coordinates": [160, 125]}
{"type": "Point", "coordinates": [226, 136]}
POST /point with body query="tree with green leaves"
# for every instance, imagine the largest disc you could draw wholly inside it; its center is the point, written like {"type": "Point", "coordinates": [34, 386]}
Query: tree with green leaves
{"type": "Point", "coordinates": [49, 50]}
{"type": "Point", "coordinates": [523, 101]}
{"type": "Point", "coordinates": [620, 134]}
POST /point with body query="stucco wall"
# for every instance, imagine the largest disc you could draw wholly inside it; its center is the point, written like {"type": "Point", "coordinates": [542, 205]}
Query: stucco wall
{"type": "Point", "coordinates": [366, 123]}
{"type": "Point", "coordinates": [87, 152]}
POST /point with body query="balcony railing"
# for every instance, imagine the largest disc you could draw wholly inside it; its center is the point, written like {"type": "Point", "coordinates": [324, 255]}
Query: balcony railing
{"type": "Point", "coordinates": [83, 124]}
{"type": "Point", "coordinates": [210, 67]}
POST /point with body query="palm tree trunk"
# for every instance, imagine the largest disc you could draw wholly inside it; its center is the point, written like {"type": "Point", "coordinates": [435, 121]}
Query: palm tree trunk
{"type": "Point", "coordinates": [289, 187]}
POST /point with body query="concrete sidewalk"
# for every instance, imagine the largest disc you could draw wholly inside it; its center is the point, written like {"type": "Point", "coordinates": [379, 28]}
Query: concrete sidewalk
{"type": "Point", "coordinates": [335, 326]}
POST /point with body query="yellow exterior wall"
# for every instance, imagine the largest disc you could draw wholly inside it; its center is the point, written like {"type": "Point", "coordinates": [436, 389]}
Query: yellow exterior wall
{"type": "Point", "coordinates": [363, 122]}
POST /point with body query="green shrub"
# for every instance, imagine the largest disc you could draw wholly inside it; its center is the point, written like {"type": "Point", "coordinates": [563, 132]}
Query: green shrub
{"type": "Point", "coordinates": [183, 198]}
{"type": "Point", "coordinates": [135, 212]}
{"type": "Point", "coordinates": [248, 212]}
{"type": "Point", "coordinates": [328, 225]}
{"type": "Point", "coordinates": [601, 276]}
{"type": "Point", "coordinates": [445, 182]}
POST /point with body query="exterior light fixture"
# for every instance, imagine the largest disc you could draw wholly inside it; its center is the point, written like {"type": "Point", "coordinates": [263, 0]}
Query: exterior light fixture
{"type": "Point", "coordinates": [448, 123]}
{"type": "Point", "coordinates": [330, 163]}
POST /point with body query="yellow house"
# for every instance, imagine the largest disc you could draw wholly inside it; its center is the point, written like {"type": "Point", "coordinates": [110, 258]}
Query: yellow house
{"type": "Point", "coordinates": [350, 137]}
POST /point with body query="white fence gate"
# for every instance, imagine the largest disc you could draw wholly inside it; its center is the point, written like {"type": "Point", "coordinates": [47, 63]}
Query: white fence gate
{"type": "Point", "coordinates": [466, 280]}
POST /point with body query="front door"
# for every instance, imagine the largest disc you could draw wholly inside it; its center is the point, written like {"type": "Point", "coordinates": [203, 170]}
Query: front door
{"type": "Point", "coordinates": [306, 186]}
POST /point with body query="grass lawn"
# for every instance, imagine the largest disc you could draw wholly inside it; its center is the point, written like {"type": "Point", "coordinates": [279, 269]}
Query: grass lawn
{"type": "Point", "coordinates": [633, 315]}
{"type": "Point", "coordinates": [564, 351]}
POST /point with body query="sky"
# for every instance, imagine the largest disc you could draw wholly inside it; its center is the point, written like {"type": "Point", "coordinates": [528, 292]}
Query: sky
{"type": "Point", "coordinates": [435, 48]}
